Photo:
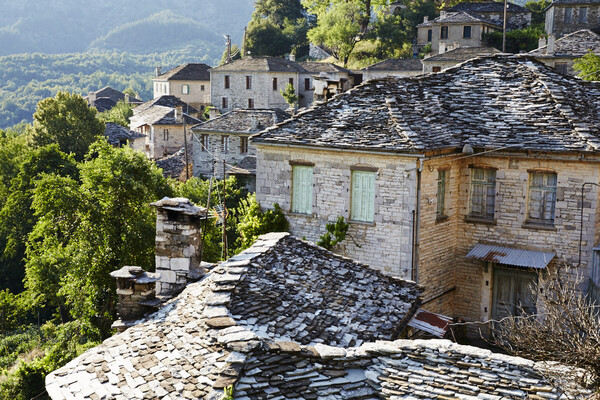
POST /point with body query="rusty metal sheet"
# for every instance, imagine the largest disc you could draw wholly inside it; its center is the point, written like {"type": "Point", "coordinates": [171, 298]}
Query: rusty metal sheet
{"type": "Point", "coordinates": [435, 324]}
{"type": "Point", "coordinates": [511, 256]}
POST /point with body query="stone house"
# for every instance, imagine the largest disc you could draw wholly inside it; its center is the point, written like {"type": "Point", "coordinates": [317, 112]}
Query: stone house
{"type": "Point", "coordinates": [288, 319]}
{"type": "Point", "coordinates": [226, 138]}
{"type": "Point", "coordinates": [119, 136]}
{"type": "Point", "coordinates": [320, 81]}
{"type": "Point", "coordinates": [107, 97]}
{"type": "Point", "coordinates": [459, 55]}
{"type": "Point", "coordinates": [167, 101]}
{"type": "Point", "coordinates": [465, 181]}
{"type": "Point", "coordinates": [464, 25]}
{"type": "Point", "coordinates": [256, 82]}
{"type": "Point", "coordinates": [560, 54]}
{"type": "Point", "coordinates": [567, 16]}
{"type": "Point", "coordinates": [398, 67]}
{"type": "Point", "coordinates": [188, 82]}
{"type": "Point", "coordinates": [164, 128]}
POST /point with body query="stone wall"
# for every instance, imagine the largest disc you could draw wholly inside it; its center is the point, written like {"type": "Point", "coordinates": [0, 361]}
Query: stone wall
{"type": "Point", "coordinates": [455, 37]}
{"type": "Point", "coordinates": [385, 244]}
{"type": "Point", "coordinates": [197, 97]}
{"type": "Point", "coordinates": [203, 160]}
{"type": "Point", "coordinates": [555, 18]}
{"type": "Point", "coordinates": [159, 147]}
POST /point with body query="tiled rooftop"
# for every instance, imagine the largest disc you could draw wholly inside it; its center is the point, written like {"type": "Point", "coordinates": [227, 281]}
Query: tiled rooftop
{"type": "Point", "coordinates": [187, 72]}
{"type": "Point", "coordinates": [459, 17]}
{"type": "Point", "coordinates": [243, 121]}
{"type": "Point", "coordinates": [461, 54]}
{"type": "Point", "coordinates": [287, 319]}
{"type": "Point", "coordinates": [165, 101]}
{"type": "Point", "coordinates": [488, 7]}
{"type": "Point", "coordinates": [573, 45]}
{"type": "Point", "coordinates": [490, 102]}
{"type": "Point", "coordinates": [115, 133]}
{"type": "Point", "coordinates": [260, 64]}
{"type": "Point", "coordinates": [396, 64]}
{"type": "Point", "coordinates": [160, 115]}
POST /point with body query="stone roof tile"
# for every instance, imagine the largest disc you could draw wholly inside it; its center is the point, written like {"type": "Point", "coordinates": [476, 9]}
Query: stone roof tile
{"type": "Point", "coordinates": [461, 54]}
{"type": "Point", "coordinates": [165, 101]}
{"type": "Point", "coordinates": [396, 64]}
{"type": "Point", "coordinates": [459, 17]}
{"type": "Point", "coordinates": [490, 102]}
{"type": "Point", "coordinates": [243, 121]}
{"type": "Point", "coordinates": [187, 72]}
{"type": "Point", "coordinates": [573, 45]}
{"type": "Point", "coordinates": [260, 64]}
{"type": "Point", "coordinates": [488, 7]}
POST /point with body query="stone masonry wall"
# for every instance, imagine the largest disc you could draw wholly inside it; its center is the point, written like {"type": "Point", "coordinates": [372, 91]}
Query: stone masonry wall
{"type": "Point", "coordinates": [178, 238]}
{"type": "Point", "coordinates": [385, 244]}
{"type": "Point", "coordinates": [558, 25]}
{"type": "Point", "coordinates": [203, 160]}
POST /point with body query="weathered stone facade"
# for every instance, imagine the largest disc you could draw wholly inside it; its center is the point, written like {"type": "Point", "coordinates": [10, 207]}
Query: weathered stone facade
{"type": "Point", "coordinates": [385, 244]}
{"type": "Point", "coordinates": [559, 24]}
{"type": "Point", "coordinates": [188, 82]}
{"type": "Point", "coordinates": [178, 241]}
{"type": "Point", "coordinates": [136, 295]}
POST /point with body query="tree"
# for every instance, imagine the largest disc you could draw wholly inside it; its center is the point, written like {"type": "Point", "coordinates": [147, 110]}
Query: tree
{"type": "Point", "coordinates": [253, 222]}
{"type": "Point", "coordinates": [538, 11]}
{"type": "Point", "coordinates": [67, 120]}
{"type": "Point", "coordinates": [119, 114]}
{"type": "Point", "coordinates": [566, 329]}
{"type": "Point", "coordinates": [338, 28]}
{"type": "Point", "coordinates": [517, 40]}
{"type": "Point", "coordinates": [289, 95]}
{"type": "Point", "coordinates": [235, 54]}
{"type": "Point", "coordinates": [588, 67]}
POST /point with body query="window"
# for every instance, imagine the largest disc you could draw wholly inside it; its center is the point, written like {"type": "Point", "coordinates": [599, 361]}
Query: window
{"type": "Point", "coordinates": [561, 67]}
{"type": "Point", "coordinates": [202, 88]}
{"type": "Point", "coordinates": [306, 83]}
{"type": "Point", "coordinates": [467, 32]}
{"type": "Point", "coordinates": [441, 193]}
{"type": "Point", "coordinates": [243, 145]}
{"type": "Point", "coordinates": [226, 82]}
{"type": "Point", "coordinates": [250, 103]}
{"type": "Point", "coordinates": [429, 35]}
{"type": "Point", "coordinates": [274, 83]}
{"type": "Point", "coordinates": [185, 89]}
{"type": "Point", "coordinates": [291, 81]}
{"type": "Point", "coordinates": [302, 189]}
{"type": "Point", "coordinates": [436, 69]}
{"type": "Point", "coordinates": [583, 15]}
{"type": "Point", "coordinates": [542, 197]}
{"type": "Point", "coordinates": [483, 192]}
{"type": "Point", "coordinates": [596, 266]}
{"type": "Point", "coordinates": [165, 134]}
{"type": "Point", "coordinates": [363, 196]}
{"type": "Point", "coordinates": [568, 15]}
{"type": "Point", "coordinates": [224, 103]}
{"type": "Point", "coordinates": [444, 32]}
{"type": "Point", "coordinates": [204, 139]}
{"type": "Point", "coordinates": [248, 82]}
{"type": "Point", "coordinates": [225, 144]}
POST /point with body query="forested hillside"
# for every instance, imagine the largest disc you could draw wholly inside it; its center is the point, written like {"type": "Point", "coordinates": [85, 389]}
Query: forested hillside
{"type": "Point", "coordinates": [26, 79]}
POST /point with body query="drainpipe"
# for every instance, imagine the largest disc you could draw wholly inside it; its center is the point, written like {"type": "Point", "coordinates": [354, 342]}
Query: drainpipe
{"type": "Point", "coordinates": [414, 274]}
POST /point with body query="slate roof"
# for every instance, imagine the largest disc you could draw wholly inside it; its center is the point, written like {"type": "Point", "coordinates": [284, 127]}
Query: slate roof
{"type": "Point", "coordinates": [461, 54]}
{"type": "Point", "coordinates": [317, 67]}
{"type": "Point", "coordinates": [247, 121]}
{"type": "Point", "coordinates": [107, 98]}
{"type": "Point", "coordinates": [187, 72]}
{"type": "Point", "coordinates": [173, 165]}
{"type": "Point", "coordinates": [459, 17]}
{"type": "Point", "coordinates": [166, 101]}
{"type": "Point", "coordinates": [594, 2]}
{"type": "Point", "coordinates": [281, 290]}
{"type": "Point", "coordinates": [245, 167]}
{"type": "Point", "coordinates": [160, 115]}
{"type": "Point", "coordinates": [396, 64]}
{"type": "Point", "coordinates": [573, 45]}
{"type": "Point", "coordinates": [115, 133]}
{"type": "Point", "coordinates": [488, 7]}
{"type": "Point", "coordinates": [260, 64]}
{"type": "Point", "coordinates": [489, 102]}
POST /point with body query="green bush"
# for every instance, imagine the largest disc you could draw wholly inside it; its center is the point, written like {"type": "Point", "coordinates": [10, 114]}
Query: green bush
{"type": "Point", "coordinates": [336, 230]}
{"type": "Point", "coordinates": [253, 222]}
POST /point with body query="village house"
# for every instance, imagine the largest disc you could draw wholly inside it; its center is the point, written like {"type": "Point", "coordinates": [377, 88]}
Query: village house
{"type": "Point", "coordinates": [164, 128]}
{"type": "Point", "coordinates": [561, 54]}
{"type": "Point", "coordinates": [466, 181]}
{"type": "Point", "coordinates": [225, 138]}
{"type": "Point", "coordinates": [119, 136]}
{"type": "Point", "coordinates": [398, 67]}
{"type": "Point", "coordinates": [567, 16]}
{"type": "Point", "coordinates": [464, 25]}
{"type": "Point", "coordinates": [189, 82]}
{"type": "Point", "coordinates": [459, 55]}
{"type": "Point", "coordinates": [107, 97]}
{"type": "Point", "coordinates": [283, 319]}
{"type": "Point", "coordinates": [256, 82]}
{"type": "Point", "coordinates": [167, 101]}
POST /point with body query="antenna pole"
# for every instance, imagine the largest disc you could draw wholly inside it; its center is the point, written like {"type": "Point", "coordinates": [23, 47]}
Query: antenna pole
{"type": "Point", "coordinates": [504, 27]}
{"type": "Point", "coordinates": [225, 257]}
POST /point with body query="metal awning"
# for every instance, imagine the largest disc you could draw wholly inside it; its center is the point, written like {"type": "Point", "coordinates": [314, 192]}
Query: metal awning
{"type": "Point", "coordinates": [511, 256]}
{"type": "Point", "coordinates": [435, 324]}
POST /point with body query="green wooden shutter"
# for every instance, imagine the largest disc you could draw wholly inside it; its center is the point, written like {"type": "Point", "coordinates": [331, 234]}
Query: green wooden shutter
{"type": "Point", "coordinates": [363, 196]}
{"type": "Point", "coordinates": [302, 189]}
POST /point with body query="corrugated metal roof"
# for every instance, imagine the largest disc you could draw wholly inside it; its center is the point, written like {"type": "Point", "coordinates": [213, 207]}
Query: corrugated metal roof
{"type": "Point", "coordinates": [435, 324]}
{"type": "Point", "coordinates": [511, 256]}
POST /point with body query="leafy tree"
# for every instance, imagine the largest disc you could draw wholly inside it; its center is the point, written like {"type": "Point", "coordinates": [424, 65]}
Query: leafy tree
{"type": "Point", "coordinates": [338, 28]}
{"type": "Point", "coordinates": [263, 38]}
{"type": "Point", "coordinates": [336, 232]}
{"type": "Point", "coordinates": [119, 114]}
{"type": "Point", "coordinates": [67, 120]}
{"type": "Point", "coordinates": [588, 67]}
{"type": "Point", "coordinates": [235, 54]}
{"type": "Point", "coordinates": [538, 13]}
{"type": "Point", "coordinates": [253, 222]}
{"type": "Point", "coordinates": [517, 40]}
{"type": "Point", "coordinates": [289, 95]}
{"type": "Point", "coordinates": [390, 34]}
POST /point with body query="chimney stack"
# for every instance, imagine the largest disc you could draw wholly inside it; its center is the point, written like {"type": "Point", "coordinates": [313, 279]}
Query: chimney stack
{"type": "Point", "coordinates": [157, 72]}
{"type": "Point", "coordinates": [550, 45]}
{"type": "Point", "coordinates": [179, 113]}
{"type": "Point", "coordinates": [178, 241]}
{"type": "Point", "coordinates": [92, 99]}
{"type": "Point", "coordinates": [541, 42]}
{"type": "Point", "coordinates": [426, 18]}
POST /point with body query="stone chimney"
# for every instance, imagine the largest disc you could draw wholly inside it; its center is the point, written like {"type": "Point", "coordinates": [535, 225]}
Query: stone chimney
{"type": "Point", "coordinates": [178, 240]}
{"type": "Point", "coordinates": [179, 114]}
{"type": "Point", "coordinates": [136, 292]}
{"type": "Point", "coordinates": [127, 99]}
{"type": "Point", "coordinates": [426, 18]}
{"type": "Point", "coordinates": [92, 98]}
{"type": "Point", "coordinates": [442, 14]}
{"type": "Point", "coordinates": [550, 45]}
{"type": "Point", "coordinates": [157, 72]}
{"type": "Point", "coordinates": [292, 57]}
{"type": "Point", "coordinates": [541, 42]}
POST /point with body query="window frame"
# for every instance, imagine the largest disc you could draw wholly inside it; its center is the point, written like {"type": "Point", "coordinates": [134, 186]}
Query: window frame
{"type": "Point", "coordinates": [444, 32]}
{"type": "Point", "coordinates": [470, 31]}
{"type": "Point", "coordinates": [202, 88]}
{"type": "Point", "coordinates": [204, 141]}
{"type": "Point", "coordinates": [429, 35]}
{"type": "Point", "coordinates": [362, 198]}
{"type": "Point", "coordinates": [561, 67]}
{"type": "Point", "coordinates": [243, 144]}
{"type": "Point", "coordinates": [165, 135]}
{"type": "Point", "coordinates": [545, 190]}
{"type": "Point", "coordinates": [291, 81]}
{"type": "Point", "coordinates": [303, 176]}
{"type": "Point", "coordinates": [224, 102]}
{"type": "Point", "coordinates": [250, 103]}
{"type": "Point", "coordinates": [274, 83]}
{"type": "Point", "coordinates": [442, 181]}
{"type": "Point", "coordinates": [568, 17]}
{"type": "Point", "coordinates": [227, 82]}
{"type": "Point", "coordinates": [483, 185]}
{"type": "Point", "coordinates": [307, 84]}
{"type": "Point", "coordinates": [224, 144]}
{"type": "Point", "coordinates": [582, 15]}
{"type": "Point", "coordinates": [248, 82]}
{"type": "Point", "coordinates": [185, 89]}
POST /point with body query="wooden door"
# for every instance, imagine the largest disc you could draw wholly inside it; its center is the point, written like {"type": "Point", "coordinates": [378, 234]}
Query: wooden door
{"type": "Point", "coordinates": [512, 292]}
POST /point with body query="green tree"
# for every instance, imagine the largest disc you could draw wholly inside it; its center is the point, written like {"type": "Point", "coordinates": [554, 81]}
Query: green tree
{"type": "Point", "coordinates": [538, 11]}
{"type": "Point", "coordinates": [119, 114]}
{"type": "Point", "coordinates": [253, 222]}
{"type": "Point", "coordinates": [517, 40]}
{"type": "Point", "coordinates": [67, 120]}
{"type": "Point", "coordinates": [235, 54]}
{"type": "Point", "coordinates": [289, 95]}
{"type": "Point", "coordinates": [338, 28]}
{"type": "Point", "coordinates": [588, 67]}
